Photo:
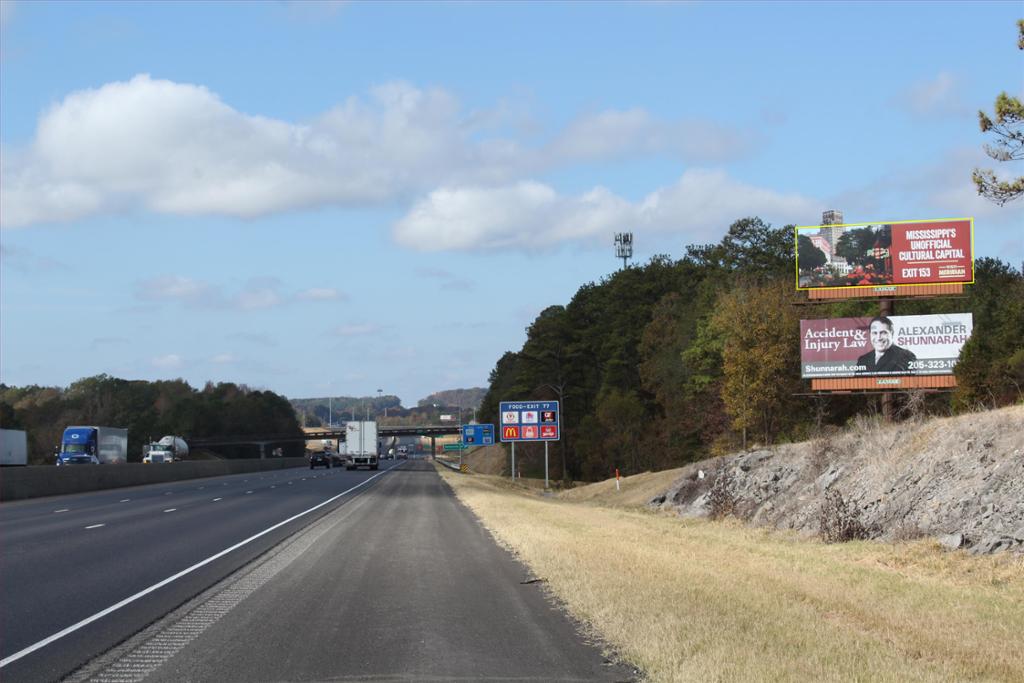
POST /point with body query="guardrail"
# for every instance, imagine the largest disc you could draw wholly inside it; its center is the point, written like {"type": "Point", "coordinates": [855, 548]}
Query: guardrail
{"type": "Point", "coordinates": [18, 483]}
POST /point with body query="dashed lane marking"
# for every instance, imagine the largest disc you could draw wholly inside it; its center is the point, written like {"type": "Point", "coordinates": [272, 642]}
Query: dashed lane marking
{"type": "Point", "coordinates": [174, 577]}
{"type": "Point", "coordinates": [95, 526]}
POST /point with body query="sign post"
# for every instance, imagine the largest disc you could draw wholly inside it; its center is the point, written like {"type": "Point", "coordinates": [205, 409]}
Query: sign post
{"type": "Point", "coordinates": [529, 421]}
{"type": "Point", "coordinates": [476, 435]}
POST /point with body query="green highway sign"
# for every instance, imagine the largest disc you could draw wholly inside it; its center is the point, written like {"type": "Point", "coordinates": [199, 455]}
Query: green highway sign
{"type": "Point", "coordinates": [455, 447]}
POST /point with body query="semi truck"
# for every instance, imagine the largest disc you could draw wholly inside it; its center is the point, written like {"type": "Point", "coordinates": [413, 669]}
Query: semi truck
{"type": "Point", "coordinates": [93, 446]}
{"type": "Point", "coordinates": [167, 449]}
{"type": "Point", "coordinates": [13, 447]}
{"type": "Point", "coordinates": [361, 445]}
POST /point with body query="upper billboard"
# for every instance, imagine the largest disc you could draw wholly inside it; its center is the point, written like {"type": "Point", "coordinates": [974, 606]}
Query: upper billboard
{"type": "Point", "coordinates": [883, 346]}
{"type": "Point", "coordinates": [872, 254]}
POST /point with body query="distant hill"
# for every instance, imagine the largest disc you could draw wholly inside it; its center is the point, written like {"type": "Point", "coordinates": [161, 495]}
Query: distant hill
{"type": "Point", "coordinates": [315, 412]}
{"type": "Point", "coordinates": [464, 398]}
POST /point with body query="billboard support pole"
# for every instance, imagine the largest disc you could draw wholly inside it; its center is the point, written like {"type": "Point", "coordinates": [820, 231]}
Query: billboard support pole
{"type": "Point", "coordinates": [545, 465]}
{"type": "Point", "coordinates": [513, 461]}
{"type": "Point", "coordinates": [885, 308]}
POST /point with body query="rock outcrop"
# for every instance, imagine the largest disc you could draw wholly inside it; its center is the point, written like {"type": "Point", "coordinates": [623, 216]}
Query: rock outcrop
{"type": "Point", "coordinates": [959, 479]}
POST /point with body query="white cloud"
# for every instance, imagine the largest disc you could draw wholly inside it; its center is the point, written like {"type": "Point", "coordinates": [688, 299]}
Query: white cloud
{"type": "Point", "coordinates": [939, 96]}
{"type": "Point", "coordinates": [320, 294]}
{"type": "Point", "coordinates": [616, 134]}
{"type": "Point", "coordinates": [256, 294]}
{"type": "Point", "coordinates": [27, 261]}
{"type": "Point", "coordinates": [223, 358]}
{"type": "Point", "coordinates": [531, 215]}
{"type": "Point", "coordinates": [176, 148]}
{"type": "Point", "coordinates": [253, 338]}
{"type": "Point", "coordinates": [175, 288]}
{"type": "Point", "coordinates": [357, 330]}
{"type": "Point", "coordinates": [170, 361]}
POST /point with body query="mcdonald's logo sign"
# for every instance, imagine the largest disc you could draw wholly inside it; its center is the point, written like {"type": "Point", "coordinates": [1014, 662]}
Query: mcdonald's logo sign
{"type": "Point", "coordinates": [509, 432]}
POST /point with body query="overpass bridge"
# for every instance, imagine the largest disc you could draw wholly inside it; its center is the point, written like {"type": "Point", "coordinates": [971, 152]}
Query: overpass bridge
{"type": "Point", "coordinates": [263, 440]}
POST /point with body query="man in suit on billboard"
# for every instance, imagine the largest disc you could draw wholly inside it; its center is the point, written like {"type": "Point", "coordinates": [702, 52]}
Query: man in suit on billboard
{"type": "Point", "coordinates": [884, 358]}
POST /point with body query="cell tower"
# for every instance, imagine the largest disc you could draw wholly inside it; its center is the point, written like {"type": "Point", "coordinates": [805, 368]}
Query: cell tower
{"type": "Point", "coordinates": [624, 246]}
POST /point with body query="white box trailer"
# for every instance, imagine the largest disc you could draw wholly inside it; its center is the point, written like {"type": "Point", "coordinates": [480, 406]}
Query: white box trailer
{"type": "Point", "coordinates": [13, 447]}
{"type": "Point", "coordinates": [93, 445]}
{"type": "Point", "coordinates": [361, 445]}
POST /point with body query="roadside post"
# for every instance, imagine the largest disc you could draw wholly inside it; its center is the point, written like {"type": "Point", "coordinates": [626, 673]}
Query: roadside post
{"type": "Point", "coordinates": [617, 479]}
{"type": "Point", "coordinates": [545, 465]}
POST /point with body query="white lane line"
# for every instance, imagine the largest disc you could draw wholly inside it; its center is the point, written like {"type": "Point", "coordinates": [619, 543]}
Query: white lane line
{"type": "Point", "coordinates": [126, 500]}
{"type": "Point", "coordinates": [95, 526]}
{"type": "Point", "coordinates": [248, 492]}
{"type": "Point", "coordinates": [216, 499]}
{"type": "Point", "coordinates": [174, 577]}
{"type": "Point", "coordinates": [61, 510]}
{"type": "Point", "coordinates": [170, 509]}
{"type": "Point", "coordinates": [150, 649]}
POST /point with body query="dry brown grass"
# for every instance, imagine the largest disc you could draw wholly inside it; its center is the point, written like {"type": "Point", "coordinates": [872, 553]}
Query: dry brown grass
{"type": "Point", "coordinates": [634, 491]}
{"type": "Point", "coordinates": [692, 600]}
{"type": "Point", "coordinates": [487, 460]}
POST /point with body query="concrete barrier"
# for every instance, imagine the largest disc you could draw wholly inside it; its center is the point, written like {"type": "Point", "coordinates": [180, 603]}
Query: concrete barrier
{"type": "Point", "coordinates": [17, 483]}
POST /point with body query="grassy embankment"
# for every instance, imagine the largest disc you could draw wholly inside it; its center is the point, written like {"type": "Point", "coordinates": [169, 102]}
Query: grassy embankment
{"type": "Point", "coordinates": [693, 600]}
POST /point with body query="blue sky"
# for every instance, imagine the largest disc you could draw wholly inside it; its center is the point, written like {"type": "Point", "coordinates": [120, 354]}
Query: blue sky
{"type": "Point", "coordinates": [330, 198]}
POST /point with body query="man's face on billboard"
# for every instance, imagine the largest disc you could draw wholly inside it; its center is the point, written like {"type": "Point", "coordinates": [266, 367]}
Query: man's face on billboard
{"type": "Point", "coordinates": [881, 336]}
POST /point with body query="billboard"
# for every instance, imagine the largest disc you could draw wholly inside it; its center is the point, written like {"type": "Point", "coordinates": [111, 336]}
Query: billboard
{"type": "Point", "coordinates": [939, 251]}
{"type": "Point", "coordinates": [880, 346]}
{"type": "Point", "coordinates": [529, 420]}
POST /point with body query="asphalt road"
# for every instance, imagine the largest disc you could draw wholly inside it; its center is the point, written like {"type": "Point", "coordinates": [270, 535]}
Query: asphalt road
{"type": "Point", "coordinates": [393, 581]}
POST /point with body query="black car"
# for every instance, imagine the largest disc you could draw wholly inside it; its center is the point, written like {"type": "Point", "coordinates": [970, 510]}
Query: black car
{"type": "Point", "coordinates": [318, 459]}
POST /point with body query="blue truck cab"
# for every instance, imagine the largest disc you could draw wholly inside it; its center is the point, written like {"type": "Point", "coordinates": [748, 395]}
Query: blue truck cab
{"type": "Point", "coordinates": [93, 446]}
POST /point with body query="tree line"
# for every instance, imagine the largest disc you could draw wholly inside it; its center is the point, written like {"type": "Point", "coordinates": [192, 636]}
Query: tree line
{"type": "Point", "coordinates": [149, 410]}
{"type": "Point", "coordinates": [677, 360]}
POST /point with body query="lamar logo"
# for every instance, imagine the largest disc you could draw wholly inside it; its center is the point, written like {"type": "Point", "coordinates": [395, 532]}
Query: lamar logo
{"type": "Point", "coordinates": [511, 433]}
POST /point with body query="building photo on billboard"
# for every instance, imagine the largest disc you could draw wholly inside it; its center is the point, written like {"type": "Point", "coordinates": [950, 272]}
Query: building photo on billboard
{"type": "Point", "coordinates": [896, 253]}
{"type": "Point", "coordinates": [883, 345]}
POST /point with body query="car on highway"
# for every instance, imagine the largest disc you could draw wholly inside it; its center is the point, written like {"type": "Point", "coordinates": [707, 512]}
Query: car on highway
{"type": "Point", "coordinates": [320, 458]}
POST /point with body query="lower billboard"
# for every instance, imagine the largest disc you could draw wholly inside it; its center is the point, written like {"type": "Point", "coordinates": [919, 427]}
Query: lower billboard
{"type": "Point", "coordinates": [883, 346]}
